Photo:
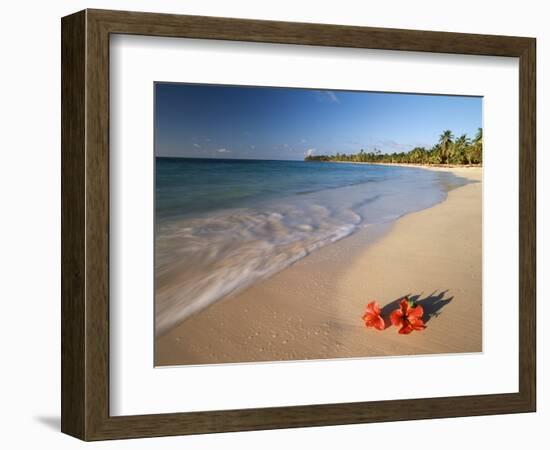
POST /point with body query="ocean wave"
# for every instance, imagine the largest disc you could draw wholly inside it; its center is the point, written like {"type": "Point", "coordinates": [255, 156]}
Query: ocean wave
{"type": "Point", "coordinates": [201, 260]}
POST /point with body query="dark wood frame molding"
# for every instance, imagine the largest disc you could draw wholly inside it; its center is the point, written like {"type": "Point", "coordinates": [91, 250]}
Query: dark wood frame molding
{"type": "Point", "coordinates": [85, 224]}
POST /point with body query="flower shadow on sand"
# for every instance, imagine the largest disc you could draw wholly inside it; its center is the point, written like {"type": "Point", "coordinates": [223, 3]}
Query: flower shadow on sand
{"type": "Point", "coordinates": [432, 305]}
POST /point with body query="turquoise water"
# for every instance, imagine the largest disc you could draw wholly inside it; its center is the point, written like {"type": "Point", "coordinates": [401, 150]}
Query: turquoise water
{"type": "Point", "coordinates": [187, 186]}
{"type": "Point", "coordinates": [222, 225]}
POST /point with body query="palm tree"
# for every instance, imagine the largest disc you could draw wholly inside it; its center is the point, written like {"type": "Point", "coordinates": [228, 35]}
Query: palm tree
{"type": "Point", "coordinates": [459, 149]}
{"type": "Point", "coordinates": [463, 141]}
{"type": "Point", "coordinates": [478, 139]}
{"type": "Point", "coordinates": [445, 144]}
{"type": "Point", "coordinates": [477, 147]}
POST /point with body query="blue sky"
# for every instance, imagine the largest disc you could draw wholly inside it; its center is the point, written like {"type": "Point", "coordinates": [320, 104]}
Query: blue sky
{"type": "Point", "coordinates": [215, 121]}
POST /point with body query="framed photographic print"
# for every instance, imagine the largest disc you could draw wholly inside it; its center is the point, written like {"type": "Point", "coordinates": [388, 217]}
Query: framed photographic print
{"type": "Point", "coordinates": [270, 224]}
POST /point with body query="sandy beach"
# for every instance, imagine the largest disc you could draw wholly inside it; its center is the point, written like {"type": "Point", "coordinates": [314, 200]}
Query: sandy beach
{"type": "Point", "coordinates": [313, 309]}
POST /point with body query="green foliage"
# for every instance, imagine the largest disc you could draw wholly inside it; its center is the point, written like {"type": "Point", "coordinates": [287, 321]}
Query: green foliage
{"type": "Point", "coordinates": [459, 151]}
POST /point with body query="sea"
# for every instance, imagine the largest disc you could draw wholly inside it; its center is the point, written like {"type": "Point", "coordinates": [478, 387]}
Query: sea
{"type": "Point", "coordinates": [224, 224]}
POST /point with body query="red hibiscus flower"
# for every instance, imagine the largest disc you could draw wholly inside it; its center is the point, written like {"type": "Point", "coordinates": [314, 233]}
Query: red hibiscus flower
{"type": "Point", "coordinates": [408, 317]}
{"type": "Point", "coordinates": [372, 317]}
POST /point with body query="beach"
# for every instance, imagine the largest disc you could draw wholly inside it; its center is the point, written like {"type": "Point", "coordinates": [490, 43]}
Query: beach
{"type": "Point", "coordinates": [312, 309]}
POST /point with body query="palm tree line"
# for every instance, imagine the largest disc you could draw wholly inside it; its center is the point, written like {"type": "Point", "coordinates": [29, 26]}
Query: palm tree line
{"type": "Point", "coordinates": [448, 150]}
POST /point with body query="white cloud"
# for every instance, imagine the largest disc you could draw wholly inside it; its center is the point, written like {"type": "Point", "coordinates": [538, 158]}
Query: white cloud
{"type": "Point", "coordinates": [223, 150]}
{"type": "Point", "coordinates": [303, 140]}
{"type": "Point", "coordinates": [310, 152]}
{"type": "Point", "coordinates": [252, 147]}
{"type": "Point", "coordinates": [326, 96]}
{"type": "Point", "coordinates": [392, 146]}
{"type": "Point", "coordinates": [196, 146]}
{"type": "Point", "coordinates": [332, 97]}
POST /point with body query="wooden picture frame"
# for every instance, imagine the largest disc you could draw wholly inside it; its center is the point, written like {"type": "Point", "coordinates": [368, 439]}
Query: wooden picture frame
{"type": "Point", "coordinates": [85, 224]}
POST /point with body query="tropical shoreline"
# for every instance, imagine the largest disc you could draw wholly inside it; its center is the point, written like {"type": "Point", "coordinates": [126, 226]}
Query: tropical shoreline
{"type": "Point", "coordinates": [420, 166]}
{"type": "Point", "coordinates": [448, 151]}
{"type": "Point", "coordinates": [222, 246]}
{"type": "Point", "coordinates": [260, 324]}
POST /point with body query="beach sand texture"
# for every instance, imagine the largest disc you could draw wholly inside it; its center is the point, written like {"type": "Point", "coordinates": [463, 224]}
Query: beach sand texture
{"type": "Point", "coordinates": [313, 309]}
